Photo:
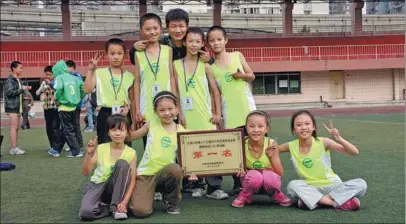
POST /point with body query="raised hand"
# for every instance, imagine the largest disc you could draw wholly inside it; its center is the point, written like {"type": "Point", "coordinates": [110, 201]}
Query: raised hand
{"type": "Point", "coordinates": [124, 111]}
{"type": "Point", "coordinates": [91, 146]}
{"type": "Point", "coordinates": [93, 62]}
{"type": "Point", "coordinates": [204, 56]}
{"type": "Point", "coordinates": [141, 45]}
{"type": "Point", "coordinates": [238, 74]}
{"type": "Point", "coordinates": [333, 131]}
{"type": "Point", "coordinates": [272, 148]}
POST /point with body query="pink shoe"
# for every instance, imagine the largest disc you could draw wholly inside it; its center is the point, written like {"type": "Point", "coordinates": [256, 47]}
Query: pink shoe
{"type": "Point", "coordinates": [240, 201]}
{"type": "Point", "coordinates": [351, 205]}
{"type": "Point", "coordinates": [280, 198]}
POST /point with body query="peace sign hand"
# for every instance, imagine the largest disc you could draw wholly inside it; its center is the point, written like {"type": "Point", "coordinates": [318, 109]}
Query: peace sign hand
{"type": "Point", "coordinates": [93, 62]}
{"type": "Point", "coordinates": [333, 131]}
{"type": "Point", "coordinates": [272, 148]}
{"type": "Point", "coordinates": [91, 146]}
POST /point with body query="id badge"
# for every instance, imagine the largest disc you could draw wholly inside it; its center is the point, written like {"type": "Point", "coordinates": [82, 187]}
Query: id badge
{"type": "Point", "coordinates": [115, 109]}
{"type": "Point", "coordinates": [155, 90]}
{"type": "Point", "coordinates": [188, 103]}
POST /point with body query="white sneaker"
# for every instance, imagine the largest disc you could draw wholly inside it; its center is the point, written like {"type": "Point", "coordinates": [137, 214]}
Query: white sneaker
{"type": "Point", "coordinates": [157, 196]}
{"type": "Point", "coordinates": [67, 149]}
{"type": "Point", "coordinates": [218, 195]}
{"type": "Point", "coordinates": [120, 215]}
{"type": "Point", "coordinates": [198, 192]}
{"type": "Point", "coordinates": [17, 151]}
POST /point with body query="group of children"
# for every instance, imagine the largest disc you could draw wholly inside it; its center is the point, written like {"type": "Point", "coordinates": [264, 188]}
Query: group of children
{"type": "Point", "coordinates": [178, 87]}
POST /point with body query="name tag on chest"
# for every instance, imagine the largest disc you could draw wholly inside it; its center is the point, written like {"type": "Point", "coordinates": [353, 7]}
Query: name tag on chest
{"type": "Point", "coordinates": [188, 103]}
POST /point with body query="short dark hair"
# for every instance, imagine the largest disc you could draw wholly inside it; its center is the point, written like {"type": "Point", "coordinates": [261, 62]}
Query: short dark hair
{"type": "Point", "coordinates": [114, 41]}
{"type": "Point", "coordinates": [164, 95]}
{"type": "Point", "coordinates": [70, 63]}
{"type": "Point", "coordinates": [175, 15]}
{"type": "Point", "coordinates": [48, 69]}
{"type": "Point", "coordinates": [213, 28]}
{"type": "Point", "coordinates": [117, 121]}
{"type": "Point", "coordinates": [14, 65]}
{"type": "Point", "coordinates": [149, 16]}
{"type": "Point", "coordinates": [195, 30]}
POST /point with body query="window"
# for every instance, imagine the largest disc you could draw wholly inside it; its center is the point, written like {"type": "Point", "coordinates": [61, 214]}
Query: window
{"type": "Point", "coordinates": [276, 83]}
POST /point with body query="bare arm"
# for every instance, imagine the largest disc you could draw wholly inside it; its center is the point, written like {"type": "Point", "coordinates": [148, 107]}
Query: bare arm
{"type": "Point", "coordinates": [248, 75]}
{"type": "Point", "coordinates": [284, 147]}
{"type": "Point", "coordinates": [137, 79]}
{"type": "Point", "coordinates": [339, 144]}
{"type": "Point", "coordinates": [214, 90]}
{"type": "Point", "coordinates": [276, 163]}
{"type": "Point", "coordinates": [140, 132]}
{"type": "Point", "coordinates": [90, 82]}
{"type": "Point", "coordinates": [89, 162]}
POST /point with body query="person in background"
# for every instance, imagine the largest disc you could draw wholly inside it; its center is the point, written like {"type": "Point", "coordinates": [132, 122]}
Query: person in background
{"type": "Point", "coordinates": [13, 94]}
{"type": "Point", "coordinates": [90, 111]}
{"type": "Point", "coordinates": [46, 93]}
{"type": "Point", "coordinates": [71, 68]}
{"type": "Point", "coordinates": [28, 102]}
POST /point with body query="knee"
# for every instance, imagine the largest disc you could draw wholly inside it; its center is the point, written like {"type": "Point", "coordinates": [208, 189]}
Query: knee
{"type": "Point", "coordinates": [253, 179]}
{"type": "Point", "coordinates": [86, 213]}
{"type": "Point", "coordinates": [141, 212]}
{"type": "Point", "coordinates": [272, 181]}
{"type": "Point", "coordinates": [122, 164]}
{"type": "Point", "coordinates": [174, 170]}
{"type": "Point", "coordinates": [292, 186]}
{"type": "Point", "coordinates": [362, 184]}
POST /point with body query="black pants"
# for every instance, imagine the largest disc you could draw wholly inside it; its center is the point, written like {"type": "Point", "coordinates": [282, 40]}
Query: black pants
{"type": "Point", "coordinates": [101, 126]}
{"type": "Point", "coordinates": [52, 126]}
{"type": "Point", "coordinates": [26, 122]}
{"type": "Point", "coordinates": [68, 133]}
{"type": "Point", "coordinates": [78, 129]}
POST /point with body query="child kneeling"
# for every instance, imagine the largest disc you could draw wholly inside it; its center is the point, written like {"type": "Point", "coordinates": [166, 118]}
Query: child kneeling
{"type": "Point", "coordinates": [263, 163]}
{"type": "Point", "coordinates": [113, 180]}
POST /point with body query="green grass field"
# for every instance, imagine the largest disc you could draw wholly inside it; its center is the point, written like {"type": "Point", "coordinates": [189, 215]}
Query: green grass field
{"type": "Point", "coordinates": [46, 189]}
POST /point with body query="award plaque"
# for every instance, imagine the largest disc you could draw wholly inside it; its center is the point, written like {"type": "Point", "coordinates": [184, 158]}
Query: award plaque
{"type": "Point", "coordinates": [206, 153]}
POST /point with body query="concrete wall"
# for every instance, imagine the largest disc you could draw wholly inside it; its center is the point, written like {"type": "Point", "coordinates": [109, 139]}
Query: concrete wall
{"type": "Point", "coordinates": [360, 85]}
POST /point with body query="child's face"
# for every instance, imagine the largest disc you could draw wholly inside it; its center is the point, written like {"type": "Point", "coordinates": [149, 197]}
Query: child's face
{"type": "Point", "coordinates": [115, 55]}
{"type": "Point", "coordinates": [194, 43]}
{"type": "Point", "coordinates": [18, 70]}
{"type": "Point", "coordinates": [217, 41]}
{"type": "Point", "coordinates": [303, 126]}
{"type": "Point", "coordinates": [118, 135]}
{"type": "Point", "coordinates": [177, 29]}
{"type": "Point", "coordinates": [166, 110]}
{"type": "Point", "coordinates": [151, 30]}
{"type": "Point", "coordinates": [70, 69]}
{"type": "Point", "coordinates": [49, 76]}
{"type": "Point", "coordinates": [256, 127]}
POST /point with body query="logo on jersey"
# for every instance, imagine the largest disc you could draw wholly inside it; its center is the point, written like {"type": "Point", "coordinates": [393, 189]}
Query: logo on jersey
{"type": "Point", "coordinates": [165, 142]}
{"type": "Point", "coordinates": [228, 77]}
{"type": "Point", "coordinates": [191, 83]}
{"type": "Point", "coordinates": [257, 165]}
{"type": "Point", "coordinates": [115, 82]}
{"type": "Point", "coordinates": [155, 67]}
{"type": "Point", "coordinates": [308, 163]}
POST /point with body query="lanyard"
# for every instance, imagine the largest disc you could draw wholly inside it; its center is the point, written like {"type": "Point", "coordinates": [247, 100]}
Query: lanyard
{"type": "Point", "coordinates": [112, 83]}
{"type": "Point", "coordinates": [193, 75]}
{"type": "Point", "coordinates": [157, 63]}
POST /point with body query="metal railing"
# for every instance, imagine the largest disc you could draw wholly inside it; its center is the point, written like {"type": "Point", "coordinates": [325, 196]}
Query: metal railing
{"type": "Point", "coordinates": [258, 54]}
